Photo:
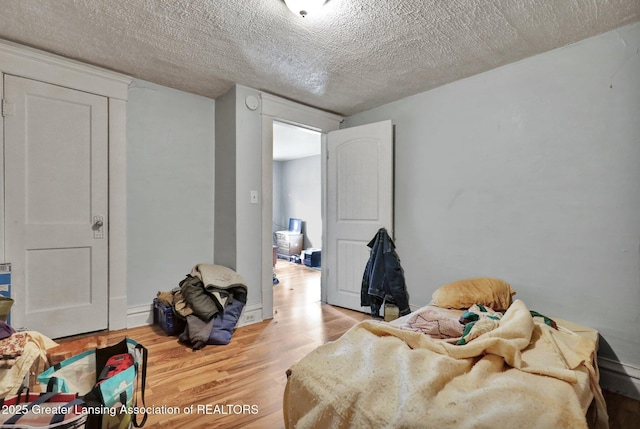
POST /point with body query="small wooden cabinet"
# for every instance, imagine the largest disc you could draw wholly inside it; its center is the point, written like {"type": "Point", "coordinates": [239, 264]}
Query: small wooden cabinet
{"type": "Point", "coordinates": [288, 243]}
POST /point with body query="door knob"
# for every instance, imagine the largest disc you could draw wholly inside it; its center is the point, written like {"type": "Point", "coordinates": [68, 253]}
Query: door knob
{"type": "Point", "coordinates": [98, 223]}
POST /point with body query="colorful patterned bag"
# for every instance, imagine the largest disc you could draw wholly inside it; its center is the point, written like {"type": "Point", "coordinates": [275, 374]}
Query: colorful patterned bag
{"type": "Point", "coordinates": [112, 401]}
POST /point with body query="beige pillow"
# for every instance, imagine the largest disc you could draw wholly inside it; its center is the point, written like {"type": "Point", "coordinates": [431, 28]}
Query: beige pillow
{"type": "Point", "coordinates": [494, 293]}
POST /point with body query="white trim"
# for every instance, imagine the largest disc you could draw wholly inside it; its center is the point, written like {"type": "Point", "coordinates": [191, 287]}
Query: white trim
{"type": "Point", "coordinates": [619, 378]}
{"type": "Point", "coordinates": [250, 314]}
{"type": "Point", "coordinates": [44, 67]}
{"type": "Point", "coordinates": [140, 315]}
{"type": "Point", "coordinates": [39, 65]}
{"type": "Point", "coordinates": [304, 116]}
{"type": "Point", "coordinates": [266, 273]}
{"type": "Point", "coordinates": [117, 214]}
{"type": "Point", "coordinates": [298, 114]}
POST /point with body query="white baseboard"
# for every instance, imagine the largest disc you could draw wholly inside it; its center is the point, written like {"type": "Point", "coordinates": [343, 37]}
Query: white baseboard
{"type": "Point", "coordinates": [619, 378]}
{"type": "Point", "coordinates": [117, 313]}
{"type": "Point", "coordinates": [142, 315]}
{"type": "Point", "coordinates": [251, 314]}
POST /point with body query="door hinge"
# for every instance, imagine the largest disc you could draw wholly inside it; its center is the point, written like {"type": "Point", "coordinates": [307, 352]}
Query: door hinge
{"type": "Point", "coordinates": [8, 109]}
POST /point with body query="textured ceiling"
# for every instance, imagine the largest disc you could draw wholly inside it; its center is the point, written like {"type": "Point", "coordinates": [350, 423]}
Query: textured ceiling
{"type": "Point", "coordinates": [353, 56]}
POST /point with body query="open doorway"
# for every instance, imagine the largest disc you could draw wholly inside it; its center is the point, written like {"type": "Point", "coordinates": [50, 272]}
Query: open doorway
{"type": "Point", "coordinates": [285, 111]}
{"type": "Point", "coordinates": [297, 195]}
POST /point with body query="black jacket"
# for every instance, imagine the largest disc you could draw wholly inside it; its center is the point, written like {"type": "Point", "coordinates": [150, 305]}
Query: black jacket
{"type": "Point", "coordinates": [383, 276]}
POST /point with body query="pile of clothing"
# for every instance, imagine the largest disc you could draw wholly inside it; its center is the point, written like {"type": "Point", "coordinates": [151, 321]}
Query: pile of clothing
{"type": "Point", "coordinates": [210, 299]}
{"type": "Point", "coordinates": [11, 345]}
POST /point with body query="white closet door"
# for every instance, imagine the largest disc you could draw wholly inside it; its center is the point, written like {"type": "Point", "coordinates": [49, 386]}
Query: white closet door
{"type": "Point", "coordinates": [56, 225]}
{"type": "Point", "coordinates": [359, 202]}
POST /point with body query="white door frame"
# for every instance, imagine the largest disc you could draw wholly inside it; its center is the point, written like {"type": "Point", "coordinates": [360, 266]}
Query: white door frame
{"type": "Point", "coordinates": [276, 108]}
{"type": "Point", "coordinates": [37, 65]}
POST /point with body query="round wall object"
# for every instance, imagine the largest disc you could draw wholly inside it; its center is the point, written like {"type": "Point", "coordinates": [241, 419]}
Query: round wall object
{"type": "Point", "coordinates": [252, 102]}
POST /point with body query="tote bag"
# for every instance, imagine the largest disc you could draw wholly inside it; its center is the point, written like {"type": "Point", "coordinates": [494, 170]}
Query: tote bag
{"type": "Point", "coordinates": [112, 402]}
{"type": "Point", "coordinates": [42, 410]}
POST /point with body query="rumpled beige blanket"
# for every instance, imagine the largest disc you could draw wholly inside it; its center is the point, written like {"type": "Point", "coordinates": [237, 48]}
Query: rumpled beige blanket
{"type": "Point", "coordinates": [522, 374]}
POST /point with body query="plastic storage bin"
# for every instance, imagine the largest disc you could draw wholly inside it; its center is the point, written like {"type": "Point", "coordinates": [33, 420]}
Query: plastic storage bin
{"type": "Point", "coordinates": [5, 292]}
{"type": "Point", "coordinates": [168, 321]}
{"type": "Point", "coordinates": [312, 258]}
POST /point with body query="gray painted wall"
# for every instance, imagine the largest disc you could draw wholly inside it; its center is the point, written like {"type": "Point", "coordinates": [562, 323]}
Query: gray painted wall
{"type": "Point", "coordinates": [170, 187]}
{"type": "Point", "coordinates": [238, 226]}
{"type": "Point", "coordinates": [225, 174]}
{"type": "Point", "coordinates": [530, 173]}
{"type": "Point", "coordinates": [299, 194]}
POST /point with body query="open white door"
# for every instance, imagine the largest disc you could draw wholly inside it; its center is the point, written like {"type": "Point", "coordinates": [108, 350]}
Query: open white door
{"type": "Point", "coordinates": [56, 172]}
{"type": "Point", "coordinates": [359, 201]}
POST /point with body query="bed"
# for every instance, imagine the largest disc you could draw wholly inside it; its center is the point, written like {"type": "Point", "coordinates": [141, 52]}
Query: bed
{"type": "Point", "coordinates": [520, 369]}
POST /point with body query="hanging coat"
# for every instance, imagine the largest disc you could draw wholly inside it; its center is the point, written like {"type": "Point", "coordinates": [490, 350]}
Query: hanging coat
{"type": "Point", "coordinates": [383, 276]}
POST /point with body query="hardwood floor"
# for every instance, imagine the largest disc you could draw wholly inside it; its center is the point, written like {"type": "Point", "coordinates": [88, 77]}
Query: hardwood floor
{"type": "Point", "coordinates": [624, 413]}
{"type": "Point", "coordinates": [251, 370]}
{"type": "Point", "coordinates": [246, 378]}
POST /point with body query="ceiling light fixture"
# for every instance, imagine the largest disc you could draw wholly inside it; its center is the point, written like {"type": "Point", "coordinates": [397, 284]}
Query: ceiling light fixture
{"type": "Point", "coordinates": [304, 7]}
